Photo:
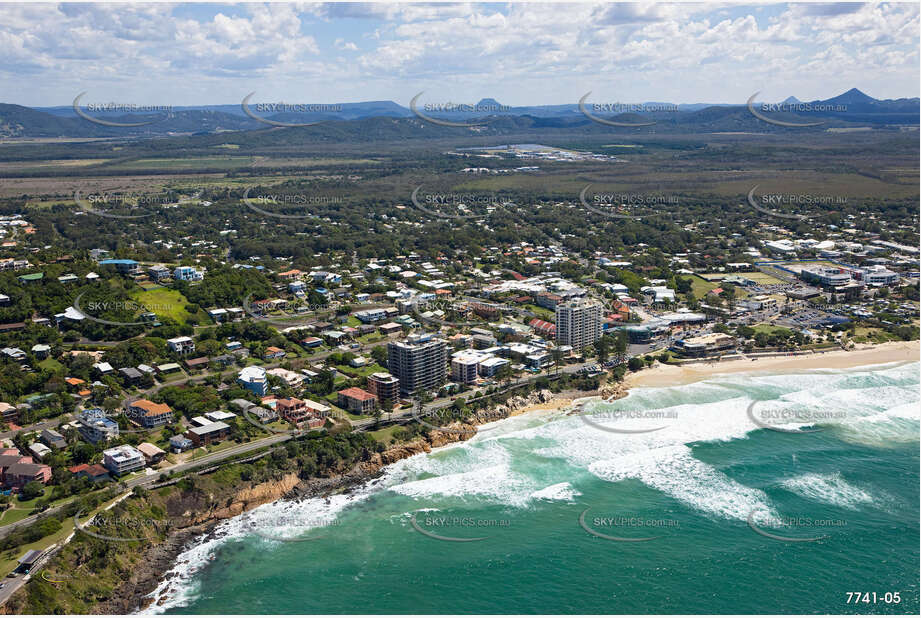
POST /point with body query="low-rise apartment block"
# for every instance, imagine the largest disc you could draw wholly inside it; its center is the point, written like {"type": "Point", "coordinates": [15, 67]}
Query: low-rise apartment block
{"type": "Point", "coordinates": [357, 401]}
{"type": "Point", "coordinates": [122, 459]}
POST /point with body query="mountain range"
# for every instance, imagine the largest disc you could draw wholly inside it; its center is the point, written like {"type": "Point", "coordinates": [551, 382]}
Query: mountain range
{"type": "Point", "coordinates": [847, 109]}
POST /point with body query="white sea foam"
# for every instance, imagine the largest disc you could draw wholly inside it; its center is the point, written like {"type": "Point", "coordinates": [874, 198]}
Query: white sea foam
{"type": "Point", "coordinates": [278, 519]}
{"type": "Point", "coordinates": [560, 491]}
{"type": "Point", "coordinates": [828, 488]}
{"type": "Point", "coordinates": [882, 405]}
{"type": "Point", "coordinates": [495, 483]}
{"type": "Point", "coordinates": [674, 471]}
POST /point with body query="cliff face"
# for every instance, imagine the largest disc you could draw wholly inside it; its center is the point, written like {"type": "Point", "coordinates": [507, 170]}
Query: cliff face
{"type": "Point", "coordinates": [203, 511]}
{"type": "Point", "coordinates": [245, 499]}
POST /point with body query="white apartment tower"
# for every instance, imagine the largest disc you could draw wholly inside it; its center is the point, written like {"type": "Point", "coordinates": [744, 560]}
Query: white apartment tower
{"type": "Point", "coordinates": [578, 323]}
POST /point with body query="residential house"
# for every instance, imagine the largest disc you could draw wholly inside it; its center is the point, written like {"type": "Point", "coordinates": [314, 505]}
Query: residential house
{"type": "Point", "coordinates": [8, 413]}
{"type": "Point", "coordinates": [208, 434]}
{"type": "Point", "coordinates": [179, 444]}
{"type": "Point", "coordinates": [95, 472]}
{"type": "Point", "coordinates": [357, 401]}
{"type": "Point", "coordinates": [95, 426]}
{"type": "Point", "coordinates": [150, 414]}
{"type": "Point", "coordinates": [181, 345]}
{"type": "Point", "coordinates": [273, 352]}
{"type": "Point", "coordinates": [254, 380]}
{"type": "Point", "coordinates": [130, 375]}
{"type": "Point", "coordinates": [158, 273]}
{"type": "Point", "coordinates": [53, 439]}
{"type": "Point", "coordinates": [39, 450]}
{"type": "Point", "coordinates": [152, 454]}
{"type": "Point", "coordinates": [188, 273]}
{"type": "Point", "coordinates": [290, 378]}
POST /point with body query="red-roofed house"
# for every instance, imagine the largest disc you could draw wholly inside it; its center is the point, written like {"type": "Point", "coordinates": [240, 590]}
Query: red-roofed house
{"type": "Point", "coordinates": [95, 472]}
{"type": "Point", "coordinates": [543, 328]}
{"type": "Point", "coordinates": [357, 400]}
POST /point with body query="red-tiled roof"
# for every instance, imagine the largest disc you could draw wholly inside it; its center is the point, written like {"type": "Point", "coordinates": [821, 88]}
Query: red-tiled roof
{"type": "Point", "coordinates": [356, 393]}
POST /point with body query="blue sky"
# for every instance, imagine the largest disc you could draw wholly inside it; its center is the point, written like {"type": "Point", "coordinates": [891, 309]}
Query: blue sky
{"type": "Point", "coordinates": [185, 54]}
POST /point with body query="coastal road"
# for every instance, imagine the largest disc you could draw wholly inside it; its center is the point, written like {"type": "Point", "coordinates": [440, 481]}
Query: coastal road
{"type": "Point", "coordinates": [149, 479]}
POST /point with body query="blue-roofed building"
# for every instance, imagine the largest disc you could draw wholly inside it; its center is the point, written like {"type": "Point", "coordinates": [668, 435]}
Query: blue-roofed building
{"type": "Point", "coordinates": [122, 266]}
{"type": "Point", "coordinates": [94, 425]}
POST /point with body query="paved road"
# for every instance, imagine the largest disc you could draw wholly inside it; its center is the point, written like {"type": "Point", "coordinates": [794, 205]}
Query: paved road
{"type": "Point", "coordinates": [11, 584]}
{"type": "Point", "coordinates": [48, 424]}
{"type": "Point", "coordinates": [153, 478]}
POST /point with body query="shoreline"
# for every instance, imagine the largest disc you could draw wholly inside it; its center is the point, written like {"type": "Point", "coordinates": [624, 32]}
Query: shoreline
{"type": "Point", "coordinates": [663, 375]}
{"type": "Point", "coordinates": [657, 376]}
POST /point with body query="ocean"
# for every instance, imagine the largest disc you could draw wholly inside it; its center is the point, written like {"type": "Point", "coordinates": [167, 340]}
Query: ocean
{"type": "Point", "coordinates": [782, 493]}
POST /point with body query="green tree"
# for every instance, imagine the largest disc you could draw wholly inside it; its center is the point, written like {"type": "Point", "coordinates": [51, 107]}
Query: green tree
{"type": "Point", "coordinates": [32, 489]}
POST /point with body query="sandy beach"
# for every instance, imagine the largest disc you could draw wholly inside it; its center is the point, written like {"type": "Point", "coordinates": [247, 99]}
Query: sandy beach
{"type": "Point", "coordinates": [670, 375]}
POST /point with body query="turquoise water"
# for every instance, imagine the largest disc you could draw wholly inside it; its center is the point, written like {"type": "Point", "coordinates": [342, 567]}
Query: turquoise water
{"type": "Point", "coordinates": [522, 485]}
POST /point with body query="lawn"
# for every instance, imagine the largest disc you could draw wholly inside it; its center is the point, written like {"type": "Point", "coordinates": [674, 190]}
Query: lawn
{"type": "Point", "coordinates": [769, 329]}
{"type": "Point", "coordinates": [542, 312]}
{"type": "Point", "coordinates": [362, 372]}
{"type": "Point", "coordinates": [700, 286]}
{"type": "Point", "coordinates": [384, 435]}
{"type": "Point", "coordinates": [762, 278]}
{"type": "Point", "coordinates": [165, 302]}
{"type": "Point", "coordinates": [8, 560]}
{"type": "Point", "coordinates": [50, 364]}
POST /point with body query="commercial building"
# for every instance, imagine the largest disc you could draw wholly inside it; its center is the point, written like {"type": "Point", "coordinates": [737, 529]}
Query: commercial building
{"type": "Point", "coordinates": [578, 323]}
{"type": "Point", "coordinates": [418, 363]}
{"type": "Point", "coordinates": [826, 277]}
{"type": "Point", "coordinates": [763, 303]}
{"type": "Point", "coordinates": [704, 345]}
{"type": "Point", "coordinates": [878, 275]}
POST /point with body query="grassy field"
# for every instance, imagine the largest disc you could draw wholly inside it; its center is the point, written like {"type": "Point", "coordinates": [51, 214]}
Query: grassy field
{"type": "Point", "coordinates": [166, 303]}
{"type": "Point", "coordinates": [542, 312]}
{"type": "Point", "coordinates": [50, 364]}
{"type": "Point", "coordinates": [188, 163]}
{"type": "Point", "coordinates": [384, 435]}
{"type": "Point", "coordinates": [700, 286]}
{"type": "Point", "coordinates": [757, 276]}
{"type": "Point", "coordinates": [304, 162]}
{"type": "Point", "coordinates": [762, 278]}
{"type": "Point", "coordinates": [363, 372]}
{"type": "Point", "coordinates": [769, 329]}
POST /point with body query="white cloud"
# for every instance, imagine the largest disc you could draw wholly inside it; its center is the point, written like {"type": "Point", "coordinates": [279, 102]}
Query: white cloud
{"type": "Point", "coordinates": [546, 53]}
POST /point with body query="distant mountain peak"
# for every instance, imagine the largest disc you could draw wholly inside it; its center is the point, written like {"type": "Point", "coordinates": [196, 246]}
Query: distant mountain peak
{"type": "Point", "coordinates": [853, 96]}
{"type": "Point", "coordinates": [791, 99]}
{"type": "Point", "coordinates": [488, 101]}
